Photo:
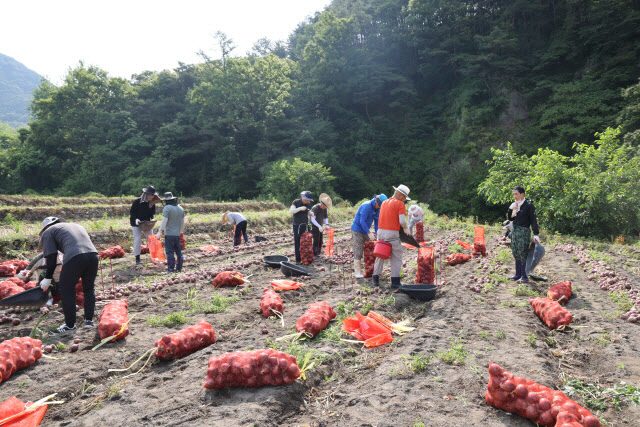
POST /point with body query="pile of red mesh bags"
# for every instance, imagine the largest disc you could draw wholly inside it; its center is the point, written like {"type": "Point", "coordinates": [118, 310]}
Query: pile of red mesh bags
{"type": "Point", "coordinates": [7, 270]}
{"type": "Point", "coordinates": [228, 278]}
{"type": "Point", "coordinates": [551, 312]}
{"type": "Point", "coordinates": [185, 342]}
{"type": "Point", "coordinates": [13, 267]}
{"type": "Point", "coordinates": [251, 369]}
{"type": "Point", "coordinates": [479, 244]}
{"type": "Point", "coordinates": [419, 233]}
{"type": "Point", "coordinates": [183, 242]}
{"type": "Point", "coordinates": [426, 271]}
{"type": "Point", "coordinates": [114, 252]}
{"type": "Point", "coordinates": [369, 258]}
{"type": "Point", "coordinates": [8, 288]}
{"type": "Point", "coordinates": [114, 316]}
{"type": "Point", "coordinates": [455, 259]}
{"type": "Point", "coordinates": [18, 353]}
{"type": "Point", "coordinates": [21, 283]}
{"type": "Point", "coordinates": [306, 248]}
{"type": "Point", "coordinates": [539, 404]}
{"type": "Point", "coordinates": [271, 302]}
{"type": "Point", "coordinates": [560, 292]}
{"type": "Point", "coordinates": [315, 319]}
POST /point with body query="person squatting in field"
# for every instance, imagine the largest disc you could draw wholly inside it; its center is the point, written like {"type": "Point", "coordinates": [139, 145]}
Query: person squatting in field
{"type": "Point", "coordinates": [39, 262]}
{"type": "Point", "coordinates": [522, 213]}
{"type": "Point", "coordinates": [320, 221]}
{"type": "Point", "coordinates": [392, 218]}
{"type": "Point", "coordinates": [142, 210]}
{"type": "Point", "coordinates": [80, 261]}
{"type": "Point", "coordinates": [172, 226]}
{"type": "Point", "coordinates": [367, 214]}
{"type": "Point", "coordinates": [239, 226]}
{"type": "Point", "coordinates": [300, 210]}
{"type": "Point", "coordinates": [416, 214]}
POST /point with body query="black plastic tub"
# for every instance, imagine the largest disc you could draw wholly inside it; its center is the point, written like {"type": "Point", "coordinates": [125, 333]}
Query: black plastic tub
{"type": "Point", "coordinates": [293, 270]}
{"type": "Point", "coordinates": [275, 260]}
{"type": "Point", "coordinates": [33, 297]}
{"type": "Point", "coordinates": [422, 292]}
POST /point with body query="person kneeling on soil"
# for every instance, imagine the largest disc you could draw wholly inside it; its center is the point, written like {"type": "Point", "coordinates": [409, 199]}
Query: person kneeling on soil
{"type": "Point", "coordinates": [80, 262]}
{"type": "Point", "coordinates": [142, 210]}
{"type": "Point", "coordinates": [416, 215]}
{"type": "Point", "coordinates": [319, 215]}
{"type": "Point", "coordinates": [239, 224]}
{"type": "Point", "coordinates": [300, 210]}
{"type": "Point", "coordinates": [173, 226]}
{"type": "Point", "coordinates": [392, 217]}
{"type": "Point", "coordinates": [367, 214]}
{"type": "Point", "coordinates": [40, 263]}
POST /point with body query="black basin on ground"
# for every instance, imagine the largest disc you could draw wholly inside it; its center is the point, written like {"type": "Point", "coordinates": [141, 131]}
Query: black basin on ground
{"type": "Point", "coordinates": [275, 260]}
{"type": "Point", "coordinates": [423, 292]}
{"type": "Point", "coordinates": [33, 297]}
{"type": "Point", "coordinates": [293, 270]}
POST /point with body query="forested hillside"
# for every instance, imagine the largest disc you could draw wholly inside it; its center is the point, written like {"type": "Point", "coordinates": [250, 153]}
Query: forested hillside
{"type": "Point", "coordinates": [381, 92]}
{"type": "Point", "coordinates": [16, 84]}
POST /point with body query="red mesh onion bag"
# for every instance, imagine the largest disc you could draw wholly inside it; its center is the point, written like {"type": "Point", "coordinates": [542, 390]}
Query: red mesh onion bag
{"type": "Point", "coordinates": [185, 342]}
{"type": "Point", "coordinates": [113, 252]}
{"type": "Point", "coordinates": [551, 312]}
{"type": "Point", "coordinates": [560, 292]}
{"type": "Point", "coordinates": [455, 259]}
{"type": "Point", "coordinates": [251, 369]}
{"type": "Point", "coordinates": [270, 302]}
{"type": "Point", "coordinates": [183, 242]}
{"type": "Point", "coordinates": [419, 233]}
{"type": "Point", "coordinates": [426, 271]}
{"type": "Point", "coordinates": [306, 248]}
{"type": "Point", "coordinates": [144, 249]}
{"type": "Point", "coordinates": [228, 278]}
{"type": "Point", "coordinates": [316, 318]}
{"type": "Point", "coordinates": [7, 270]}
{"type": "Point", "coordinates": [114, 315]}
{"type": "Point", "coordinates": [369, 259]}
{"type": "Point", "coordinates": [479, 244]}
{"type": "Point", "coordinates": [18, 353]}
{"type": "Point", "coordinates": [79, 293]}
{"type": "Point", "coordinates": [8, 288]}
{"type": "Point", "coordinates": [16, 264]}
{"type": "Point", "coordinates": [539, 404]}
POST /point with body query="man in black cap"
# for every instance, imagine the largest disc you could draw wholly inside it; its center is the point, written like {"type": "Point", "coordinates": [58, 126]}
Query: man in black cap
{"type": "Point", "coordinates": [142, 209]}
{"type": "Point", "coordinates": [300, 211]}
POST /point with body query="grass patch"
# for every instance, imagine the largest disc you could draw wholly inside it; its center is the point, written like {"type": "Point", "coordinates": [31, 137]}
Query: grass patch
{"type": "Point", "coordinates": [530, 339]}
{"type": "Point", "coordinates": [599, 256]}
{"type": "Point", "coordinates": [418, 363]}
{"type": "Point", "coordinates": [599, 398]}
{"type": "Point", "coordinates": [514, 303]}
{"type": "Point", "coordinates": [524, 291]}
{"type": "Point", "coordinates": [622, 300]}
{"type": "Point", "coordinates": [501, 335]}
{"type": "Point", "coordinates": [456, 354]}
{"type": "Point", "coordinates": [603, 340]}
{"type": "Point", "coordinates": [504, 255]}
{"type": "Point", "coordinates": [455, 248]}
{"type": "Point", "coordinates": [169, 321]}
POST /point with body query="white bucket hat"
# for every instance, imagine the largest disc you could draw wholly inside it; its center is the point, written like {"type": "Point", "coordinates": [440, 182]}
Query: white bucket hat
{"type": "Point", "coordinates": [403, 189]}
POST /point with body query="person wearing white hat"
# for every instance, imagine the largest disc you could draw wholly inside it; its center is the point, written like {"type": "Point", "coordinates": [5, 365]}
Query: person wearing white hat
{"type": "Point", "coordinates": [320, 221]}
{"type": "Point", "coordinates": [392, 217]}
{"type": "Point", "coordinates": [416, 214]}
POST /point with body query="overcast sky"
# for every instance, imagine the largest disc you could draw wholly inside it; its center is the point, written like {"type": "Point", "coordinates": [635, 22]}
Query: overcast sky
{"type": "Point", "coordinates": [127, 37]}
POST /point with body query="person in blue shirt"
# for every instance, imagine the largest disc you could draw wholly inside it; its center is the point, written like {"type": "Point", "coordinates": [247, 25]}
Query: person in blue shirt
{"type": "Point", "coordinates": [367, 214]}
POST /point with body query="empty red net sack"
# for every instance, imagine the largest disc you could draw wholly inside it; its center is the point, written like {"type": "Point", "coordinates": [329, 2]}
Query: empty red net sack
{"type": "Point", "coordinates": [551, 312]}
{"type": "Point", "coordinates": [112, 319]}
{"type": "Point", "coordinates": [271, 302]}
{"type": "Point", "coordinates": [251, 369]}
{"type": "Point", "coordinates": [426, 271]}
{"type": "Point", "coordinates": [369, 258]}
{"type": "Point", "coordinates": [419, 233]}
{"type": "Point", "coordinates": [18, 353]}
{"type": "Point", "coordinates": [316, 318]}
{"type": "Point", "coordinates": [185, 342]}
{"type": "Point", "coordinates": [479, 244]}
{"type": "Point", "coordinates": [228, 278]}
{"type": "Point", "coordinates": [560, 292]}
{"type": "Point", "coordinates": [533, 401]}
{"type": "Point", "coordinates": [455, 259]}
{"type": "Point", "coordinates": [12, 407]}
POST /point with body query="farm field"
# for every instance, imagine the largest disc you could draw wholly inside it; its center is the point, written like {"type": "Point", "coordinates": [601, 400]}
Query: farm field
{"type": "Point", "coordinates": [435, 375]}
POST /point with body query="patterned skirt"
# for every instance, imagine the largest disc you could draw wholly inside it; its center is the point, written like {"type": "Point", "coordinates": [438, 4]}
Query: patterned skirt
{"type": "Point", "coordinates": [520, 240]}
{"type": "Point", "coordinates": [357, 241]}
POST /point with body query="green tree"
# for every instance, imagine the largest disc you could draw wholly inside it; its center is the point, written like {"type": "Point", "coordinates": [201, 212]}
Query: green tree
{"type": "Point", "coordinates": [285, 179]}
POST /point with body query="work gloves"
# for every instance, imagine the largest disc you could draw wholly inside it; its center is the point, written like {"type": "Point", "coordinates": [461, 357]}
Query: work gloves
{"type": "Point", "coordinates": [536, 239]}
{"type": "Point", "coordinates": [137, 221]}
{"type": "Point", "coordinates": [372, 236]}
{"type": "Point", "coordinates": [45, 284]}
{"type": "Point", "coordinates": [23, 274]}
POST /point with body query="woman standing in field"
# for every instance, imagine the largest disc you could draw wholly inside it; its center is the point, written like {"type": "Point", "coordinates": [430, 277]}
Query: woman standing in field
{"type": "Point", "coordinates": [523, 215]}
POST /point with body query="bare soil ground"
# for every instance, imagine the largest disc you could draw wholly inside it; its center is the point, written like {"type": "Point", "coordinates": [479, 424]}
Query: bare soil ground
{"type": "Point", "coordinates": [435, 375]}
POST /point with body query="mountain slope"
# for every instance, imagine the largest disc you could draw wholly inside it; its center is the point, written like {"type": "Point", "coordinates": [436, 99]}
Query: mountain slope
{"type": "Point", "coordinates": [16, 85]}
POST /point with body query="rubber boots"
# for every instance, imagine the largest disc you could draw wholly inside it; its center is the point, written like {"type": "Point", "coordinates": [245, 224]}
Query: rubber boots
{"type": "Point", "coordinates": [518, 272]}
{"type": "Point", "coordinates": [179, 264]}
{"type": "Point", "coordinates": [376, 280]}
{"type": "Point", "coordinates": [357, 266]}
{"type": "Point", "coordinates": [171, 265]}
{"type": "Point", "coordinates": [523, 273]}
{"type": "Point", "coordinates": [395, 282]}
{"type": "Point", "coordinates": [138, 262]}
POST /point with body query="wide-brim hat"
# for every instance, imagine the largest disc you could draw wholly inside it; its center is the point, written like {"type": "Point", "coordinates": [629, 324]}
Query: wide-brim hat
{"type": "Point", "coordinates": [404, 190]}
{"type": "Point", "coordinates": [325, 199]}
{"type": "Point", "coordinates": [150, 190]}
{"type": "Point", "coordinates": [169, 196]}
{"type": "Point", "coordinates": [48, 221]}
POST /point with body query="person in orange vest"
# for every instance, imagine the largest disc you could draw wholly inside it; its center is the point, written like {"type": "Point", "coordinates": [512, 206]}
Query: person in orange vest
{"type": "Point", "coordinates": [393, 217]}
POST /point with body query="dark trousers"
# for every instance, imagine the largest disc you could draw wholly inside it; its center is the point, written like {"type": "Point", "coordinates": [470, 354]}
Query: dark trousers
{"type": "Point", "coordinates": [172, 246]}
{"type": "Point", "coordinates": [85, 267]}
{"type": "Point", "coordinates": [317, 240]}
{"type": "Point", "coordinates": [241, 229]}
{"type": "Point", "coordinates": [298, 229]}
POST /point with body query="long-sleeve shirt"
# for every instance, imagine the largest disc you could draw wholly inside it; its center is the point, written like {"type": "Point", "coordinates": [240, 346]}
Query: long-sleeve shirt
{"type": "Point", "coordinates": [142, 211]}
{"type": "Point", "coordinates": [367, 214]}
{"type": "Point", "coordinates": [235, 218]}
{"type": "Point", "coordinates": [526, 217]}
